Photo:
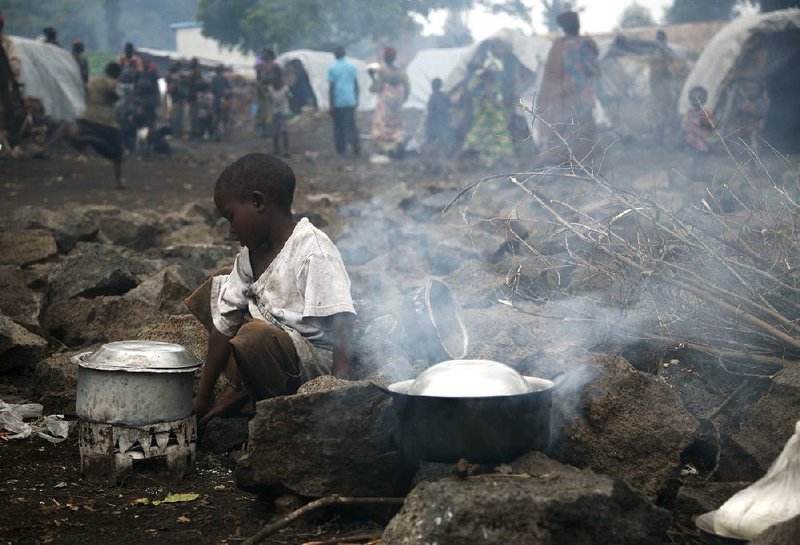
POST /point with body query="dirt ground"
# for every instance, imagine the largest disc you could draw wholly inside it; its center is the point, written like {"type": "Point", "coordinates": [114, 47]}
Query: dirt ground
{"type": "Point", "coordinates": [43, 497]}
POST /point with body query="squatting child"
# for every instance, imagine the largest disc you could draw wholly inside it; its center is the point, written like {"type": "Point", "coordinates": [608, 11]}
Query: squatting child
{"type": "Point", "coordinates": [283, 315]}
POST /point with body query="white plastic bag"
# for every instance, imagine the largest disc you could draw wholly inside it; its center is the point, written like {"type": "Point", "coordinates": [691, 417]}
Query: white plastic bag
{"type": "Point", "coordinates": [53, 428]}
{"type": "Point", "coordinates": [772, 499]}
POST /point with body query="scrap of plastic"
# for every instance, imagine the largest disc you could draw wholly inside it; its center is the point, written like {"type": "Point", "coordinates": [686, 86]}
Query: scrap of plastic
{"type": "Point", "coordinates": [772, 499]}
{"type": "Point", "coordinates": [53, 427]}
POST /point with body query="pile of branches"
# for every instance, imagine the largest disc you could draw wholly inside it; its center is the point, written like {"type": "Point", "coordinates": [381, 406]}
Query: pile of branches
{"type": "Point", "coordinates": [720, 275]}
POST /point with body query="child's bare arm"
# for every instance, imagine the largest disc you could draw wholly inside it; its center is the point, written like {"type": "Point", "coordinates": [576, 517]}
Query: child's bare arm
{"type": "Point", "coordinates": [217, 358]}
{"type": "Point", "coordinates": [342, 341]}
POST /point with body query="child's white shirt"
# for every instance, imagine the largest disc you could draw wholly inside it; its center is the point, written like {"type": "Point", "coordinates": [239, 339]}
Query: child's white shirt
{"type": "Point", "coordinates": [306, 282]}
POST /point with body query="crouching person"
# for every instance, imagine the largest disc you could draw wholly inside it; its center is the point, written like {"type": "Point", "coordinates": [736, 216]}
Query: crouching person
{"type": "Point", "coordinates": [283, 315]}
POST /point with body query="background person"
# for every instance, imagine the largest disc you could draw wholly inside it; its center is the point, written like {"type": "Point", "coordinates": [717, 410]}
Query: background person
{"type": "Point", "coordinates": [98, 127]}
{"type": "Point", "coordinates": [391, 85]}
{"type": "Point", "coordinates": [566, 97]}
{"type": "Point", "coordinates": [343, 100]}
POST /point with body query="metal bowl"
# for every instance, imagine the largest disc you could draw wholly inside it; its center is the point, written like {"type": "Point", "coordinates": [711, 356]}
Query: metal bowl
{"type": "Point", "coordinates": [139, 357]}
{"type": "Point", "coordinates": [467, 378]}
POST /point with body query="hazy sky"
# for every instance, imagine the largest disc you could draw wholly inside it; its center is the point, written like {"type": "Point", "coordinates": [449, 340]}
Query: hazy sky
{"type": "Point", "coordinates": [597, 16]}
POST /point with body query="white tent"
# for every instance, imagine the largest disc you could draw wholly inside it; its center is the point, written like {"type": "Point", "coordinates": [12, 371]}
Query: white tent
{"type": "Point", "coordinates": [316, 65]}
{"type": "Point", "coordinates": [427, 65]}
{"type": "Point", "coordinates": [530, 51]}
{"type": "Point", "coordinates": [720, 56]}
{"type": "Point", "coordinates": [50, 74]}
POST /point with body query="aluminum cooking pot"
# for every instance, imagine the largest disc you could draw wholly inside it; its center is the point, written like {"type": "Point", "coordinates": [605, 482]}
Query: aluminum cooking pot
{"type": "Point", "coordinates": [135, 383]}
{"type": "Point", "coordinates": [481, 410]}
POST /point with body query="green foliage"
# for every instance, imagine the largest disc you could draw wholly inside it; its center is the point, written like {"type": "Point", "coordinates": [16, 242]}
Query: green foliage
{"type": "Point", "coordinates": [98, 62]}
{"type": "Point", "coordinates": [553, 8]}
{"type": "Point", "coordinates": [456, 32]}
{"type": "Point", "coordinates": [143, 22]}
{"type": "Point", "coordinates": [636, 15]}
{"type": "Point", "coordinates": [687, 11]}
{"type": "Point", "coordinates": [773, 5]}
{"type": "Point", "coordinates": [253, 24]}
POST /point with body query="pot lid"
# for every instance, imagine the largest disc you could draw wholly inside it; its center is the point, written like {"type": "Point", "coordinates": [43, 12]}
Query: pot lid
{"type": "Point", "coordinates": [469, 378]}
{"type": "Point", "coordinates": [139, 356]}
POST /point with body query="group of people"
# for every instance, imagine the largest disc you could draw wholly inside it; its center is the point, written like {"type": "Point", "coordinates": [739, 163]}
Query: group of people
{"type": "Point", "coordinates": [391, 85]}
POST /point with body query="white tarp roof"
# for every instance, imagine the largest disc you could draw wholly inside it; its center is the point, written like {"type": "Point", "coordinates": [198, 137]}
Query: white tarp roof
{"type": "Point", "coordinates": [317, 63]}
{"type": "Point", "coordinates": [530, 51]}
{"type": "Point", "coordinates": [427, 65]}
{"type": "Point", "coordinates": [722, 52]}
{"type": "Point", "coordinates": [50, 74]}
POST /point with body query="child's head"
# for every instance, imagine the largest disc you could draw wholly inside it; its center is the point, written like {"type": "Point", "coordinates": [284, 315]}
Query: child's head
{"type": "Point", "coordinates": [697, 97]}
{"type": "Point", "coordinates": [752, 89]}
{"type": "Point", "coordinates": [252, 193]}
{"type": "Point", "coordinates": [436, 84]}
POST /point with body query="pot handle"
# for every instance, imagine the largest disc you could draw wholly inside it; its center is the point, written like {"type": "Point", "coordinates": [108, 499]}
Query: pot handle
{"type": "Point", "coordinates": [78, 358]}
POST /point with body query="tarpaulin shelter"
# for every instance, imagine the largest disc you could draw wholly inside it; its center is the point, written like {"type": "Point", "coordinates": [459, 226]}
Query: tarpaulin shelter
{"type": "Point", "coordinates": [316, 65]}
{"type": "Point", "coordinates": [427, 65]}
{"type": "Point", "coordinates": [765, 48]}
{"type": "Point", "coordinates": [50, 74]}
{"type": "Point", "coordinates": [639, 84]}
{"type": "Point", "coordinates": [523, 64]}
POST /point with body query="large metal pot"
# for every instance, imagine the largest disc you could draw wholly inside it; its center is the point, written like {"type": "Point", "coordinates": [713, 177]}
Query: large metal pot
{"type": "Point", "coordinates": [476, 409]}
{"type": "Point", "coordinates": [135, 383]}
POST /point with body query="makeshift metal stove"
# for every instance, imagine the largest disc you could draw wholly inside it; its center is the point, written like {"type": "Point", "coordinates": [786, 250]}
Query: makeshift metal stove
{"type": "Point", "coordinates": [134, 404]}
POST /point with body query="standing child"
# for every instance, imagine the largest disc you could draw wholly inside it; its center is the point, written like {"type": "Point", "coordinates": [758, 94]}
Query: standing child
{"type": "Point", "coordinates": [698, 126]}
{"type": "Point", "coordinates": [279, 95]}
{"type": "Point", "coordinates": [437, 122]}
{"type": "Point", "coordinates": [284, 314]}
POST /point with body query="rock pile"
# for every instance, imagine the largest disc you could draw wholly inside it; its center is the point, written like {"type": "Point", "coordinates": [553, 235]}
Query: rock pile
{"type": "Point", "coordinates": [90, 274]}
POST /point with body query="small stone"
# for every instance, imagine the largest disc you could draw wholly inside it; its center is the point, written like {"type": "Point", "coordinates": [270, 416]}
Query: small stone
{"type": "Point", "coordinates": [18, 346]}
{"type": "Point", "coordinates": [26, 246]}
{"type": "Point", "coordinates": [17, 300]}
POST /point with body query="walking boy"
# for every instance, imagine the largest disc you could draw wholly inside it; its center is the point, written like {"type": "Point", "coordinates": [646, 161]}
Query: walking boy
{"type": "Point", "coordinates": [343, 97]}
{"type": "Point", "coordinates": [279, 95]}
{"type": "Point", "coordinates": [284, 314]}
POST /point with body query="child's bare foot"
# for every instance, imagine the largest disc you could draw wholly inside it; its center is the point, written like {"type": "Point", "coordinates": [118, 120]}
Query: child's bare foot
{"type": "Point", "coordinates": [228, 402]}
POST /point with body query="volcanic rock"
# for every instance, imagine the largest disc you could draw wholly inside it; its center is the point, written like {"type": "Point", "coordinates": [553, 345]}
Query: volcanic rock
{"type": "Point", "coordinates": [765, 431]}
{"type": "Point", "coordinates": [18, 346]}
{"type": "Point", "coordinates": [539, 502]}
{"type": "Point", "coordinates": [67, 226]}
{"type": "Point", "coordinates": [183, 329]}
{"type": "Point", "coordinates": [17, 300]}
{"type": "Point", "coordinates": [333, 437]}
{"type": "Point", "coordinates": [624, 423]}
{"type": "Point", "coordinates": [26, 246]}
{"type": "Point", "coordinates": [123, 227]}
{"type": "Point", "coordinates": [225, 434]}
{"type": "Point", "coordinates": [206, 256]}
{"type": "Point", "coordinates": [166, 289]}
{"type": "Point", "coordinates": [780, 534]}
{"type": "Point", "coordinates": [698, 498]}
{"type": "Point", "coordinates": [56, 379]}
{"type": "Point", "coordinates": [93, 269]}
{"type": "Point", "coordinates": [102, 319]}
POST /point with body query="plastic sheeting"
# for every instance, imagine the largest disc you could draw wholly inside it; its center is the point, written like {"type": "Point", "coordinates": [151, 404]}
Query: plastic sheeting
{"type": "Point", "coordinates": [316, 65]}
{"type": "Point", "coordinates": [720, 55]}
{"type": "Point", "coordinates": [427, 65]}
{"type": "Point", "coordinates": [50, 74]}
{"type": "Point", "coordinates": [530, 51]}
